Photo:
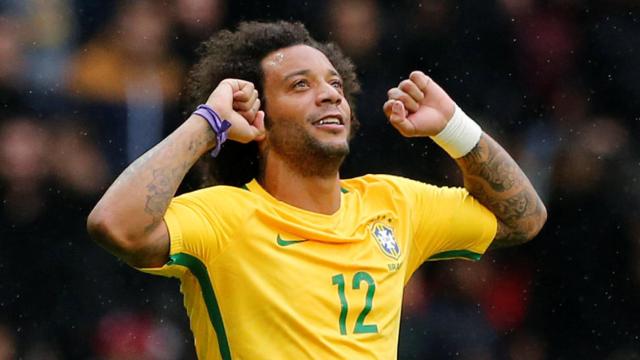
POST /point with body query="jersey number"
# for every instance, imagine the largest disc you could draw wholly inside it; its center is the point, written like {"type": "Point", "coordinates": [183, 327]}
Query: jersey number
{"type": "Point", "coordinates": [358, 278]}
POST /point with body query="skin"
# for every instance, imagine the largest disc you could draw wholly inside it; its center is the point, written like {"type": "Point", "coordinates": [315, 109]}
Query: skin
{"type": "Point", "coordinates": [128, 219]}
{"type": "Point", "coordinates": [302, 159]}
{"type": "Point", "coordinates": [302, 86]}
{"type": "Point", "coordinates": [418, 107]}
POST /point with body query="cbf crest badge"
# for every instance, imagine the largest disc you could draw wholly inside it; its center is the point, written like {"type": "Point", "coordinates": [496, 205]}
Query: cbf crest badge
{"type": "Point", "coordinates": [386, 240]}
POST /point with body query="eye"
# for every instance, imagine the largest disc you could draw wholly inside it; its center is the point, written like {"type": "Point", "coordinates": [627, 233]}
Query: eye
{"type": "Point", "coordinates": [337, 84]}
{"type": "Point", "coordinates": [300, 84]}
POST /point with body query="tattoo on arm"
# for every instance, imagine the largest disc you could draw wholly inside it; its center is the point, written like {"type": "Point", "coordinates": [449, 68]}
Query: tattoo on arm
{"type": "Point", "coordinates": [165, 182]}
{"type": "Point", "coordinates": [165, 176]}
{"type": "Point", "coordinates": [160, 191]}
{"type": "Point", "coordinates": [494, 179]}
{"type": "Point", "coordinates": [128, 218]}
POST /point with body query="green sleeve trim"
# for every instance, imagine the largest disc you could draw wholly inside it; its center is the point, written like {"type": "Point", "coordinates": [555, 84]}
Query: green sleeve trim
{"type": "Point", "coordinates": [456, 254]}
{"type": "Point", "coordinates": [343, 190]}
{"type": "Point", "coordinates": [199, 270]}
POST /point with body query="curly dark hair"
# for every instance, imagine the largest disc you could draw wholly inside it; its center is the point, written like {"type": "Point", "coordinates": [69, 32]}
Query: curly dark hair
{"type": "Point", "coordinates": [238, 54]}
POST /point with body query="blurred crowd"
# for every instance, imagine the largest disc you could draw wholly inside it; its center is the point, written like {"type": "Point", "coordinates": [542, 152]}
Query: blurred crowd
{"type": "Point", "coordinates": [88, 86]}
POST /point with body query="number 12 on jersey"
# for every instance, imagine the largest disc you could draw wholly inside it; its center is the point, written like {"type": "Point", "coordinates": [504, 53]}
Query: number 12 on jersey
{"type": "Point", "coordinates": [358, 278]}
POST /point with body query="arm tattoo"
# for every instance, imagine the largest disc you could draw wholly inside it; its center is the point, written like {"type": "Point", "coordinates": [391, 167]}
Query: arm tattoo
{"type": "Point", "coordinates": [496, 181]}
{"type": "Point", "coordinates": [165, 182]}
{"type": "Point", "coordinates": [160, 191]}
{"type": "Point", "coordinates": [128, 218]}
{"type": "Point", "coordinates": [164, 176]}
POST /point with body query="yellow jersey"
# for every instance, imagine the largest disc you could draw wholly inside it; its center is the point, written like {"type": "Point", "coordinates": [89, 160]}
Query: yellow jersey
{"type": "Point", "coordinates": [262, 279]}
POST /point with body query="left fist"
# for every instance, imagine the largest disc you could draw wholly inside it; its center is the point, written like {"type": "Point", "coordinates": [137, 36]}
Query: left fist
{"type": "Point", "coordinates": [418, 106]}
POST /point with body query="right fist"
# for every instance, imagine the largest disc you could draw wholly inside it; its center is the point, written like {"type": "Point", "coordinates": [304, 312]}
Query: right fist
{"type": "Point", "coordinates": [237, 101]}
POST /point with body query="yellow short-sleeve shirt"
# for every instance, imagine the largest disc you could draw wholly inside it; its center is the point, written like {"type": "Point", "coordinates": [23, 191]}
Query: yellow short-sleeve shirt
{"type": "Point", "coordinates": [265, 280]}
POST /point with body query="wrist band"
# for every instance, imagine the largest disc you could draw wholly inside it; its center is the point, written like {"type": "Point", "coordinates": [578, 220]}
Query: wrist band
{"type": "Point", "coordinates": [459, 136]}
{"type": "Point", "coordinates": [220, 127]}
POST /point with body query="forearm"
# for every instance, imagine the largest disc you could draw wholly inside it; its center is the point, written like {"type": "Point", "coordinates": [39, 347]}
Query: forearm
{"type": "Point", "coordinates": [420, 107]}
{"type": "Point", "coordinates": [495, 180]}
{"type": "Point", "coordinates": [134, 205]}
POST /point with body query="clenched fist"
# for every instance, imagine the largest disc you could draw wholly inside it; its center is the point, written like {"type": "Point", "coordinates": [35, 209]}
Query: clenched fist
{"type": "Point", "coordinates": [418, 106]}
{"type": "Point", "coordinates": [237, 101]}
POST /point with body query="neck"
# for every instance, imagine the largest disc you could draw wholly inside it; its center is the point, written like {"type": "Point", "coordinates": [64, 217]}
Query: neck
{"type": "Point", "coordinates": [319, 194]}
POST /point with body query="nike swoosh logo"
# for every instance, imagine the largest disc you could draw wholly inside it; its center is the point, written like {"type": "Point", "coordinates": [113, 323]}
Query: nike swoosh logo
{"type": "Point", "coordinates": [283, 242]}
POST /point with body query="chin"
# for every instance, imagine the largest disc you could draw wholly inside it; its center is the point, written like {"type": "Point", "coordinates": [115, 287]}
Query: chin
{"type": "Point", "coordinates": [336, 139]}
{"type": "Point", "coordinates": [336, 148]}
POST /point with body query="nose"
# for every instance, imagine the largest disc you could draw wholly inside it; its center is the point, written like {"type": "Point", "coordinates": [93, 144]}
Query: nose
{"type": "Point", "coordinates": [327, 93]}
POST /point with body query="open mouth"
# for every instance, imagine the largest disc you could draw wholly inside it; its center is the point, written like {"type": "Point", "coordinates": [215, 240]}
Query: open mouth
{"type": "Point", "coordinates": [329, 120]}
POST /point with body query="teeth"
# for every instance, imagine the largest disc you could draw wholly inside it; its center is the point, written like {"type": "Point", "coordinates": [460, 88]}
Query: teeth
{"type": "Point", "coordinates": [329, 121]}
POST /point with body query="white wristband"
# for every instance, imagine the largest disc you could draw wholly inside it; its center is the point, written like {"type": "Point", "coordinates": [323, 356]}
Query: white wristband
{"type": "Point", "coordinates": [460, 135]}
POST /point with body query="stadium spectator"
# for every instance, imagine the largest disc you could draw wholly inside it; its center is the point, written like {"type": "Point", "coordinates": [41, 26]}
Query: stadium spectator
{"type": "Point", "coordinates": [41, 222]}
{"type": "Point", "coordinates": [590, 159]}
{"type": "Point", "coordinates": [12, 68]}
{"type": "Point", "coordinates": [47, 29]}
{"type": "Point", "coordinates": [547, 43]}
{"type": "Point", "coordinates": [7, 343]}
{"type": "Point", "coordinates": [195, 21]}
{"type": "Point", "coordinates": [128, 81]}
{"type": "Point", "coordinates": [129, 335]}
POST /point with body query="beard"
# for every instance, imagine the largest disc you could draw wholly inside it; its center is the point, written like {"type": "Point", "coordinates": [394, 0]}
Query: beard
{"type": "Point", "coordinates": [307, 155]}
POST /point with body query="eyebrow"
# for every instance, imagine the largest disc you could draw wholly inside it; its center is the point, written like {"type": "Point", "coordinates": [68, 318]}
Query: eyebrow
{"type": "Point", "coordinates": [306, 72]}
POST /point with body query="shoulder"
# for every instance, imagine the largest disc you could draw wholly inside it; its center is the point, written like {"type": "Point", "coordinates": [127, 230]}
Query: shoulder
{"type": "Point", "coordinates": [372, 180]}
{"type": "Point", "coordinates": [216, 198]}
{"type": "Point", "coordinates": [383, 181]}
{"type": "Point", "coordinates": [403, 187]}
{"type": "Point", "coordinates": [214, 191]}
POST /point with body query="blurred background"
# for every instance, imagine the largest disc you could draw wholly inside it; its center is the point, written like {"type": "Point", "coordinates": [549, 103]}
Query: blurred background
{"type": "Point", "coordinates": [87, 86]}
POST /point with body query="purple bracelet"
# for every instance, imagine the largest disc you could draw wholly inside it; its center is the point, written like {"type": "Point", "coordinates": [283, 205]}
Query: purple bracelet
{"type": "Point", "coordinates": [220, 127]}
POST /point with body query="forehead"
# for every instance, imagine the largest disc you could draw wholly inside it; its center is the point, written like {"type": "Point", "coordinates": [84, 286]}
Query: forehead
{"type": "Point", "coordinates": [278, 64]}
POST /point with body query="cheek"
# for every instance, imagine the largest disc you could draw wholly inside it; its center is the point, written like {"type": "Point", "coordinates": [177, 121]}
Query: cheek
{"type": "Point", "coordinates": [346, 108]}
{"type": "Point", "coordinates": [287, 109]}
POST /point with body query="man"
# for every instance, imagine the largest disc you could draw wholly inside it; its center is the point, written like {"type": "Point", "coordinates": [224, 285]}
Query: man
{"type": "Point", "coordinates": [298, 263]}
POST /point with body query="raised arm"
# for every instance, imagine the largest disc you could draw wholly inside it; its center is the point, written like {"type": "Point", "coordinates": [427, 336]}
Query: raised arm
{"type": "Point", "coordinates": [419, 107]}
{"type": "Point", "coordinates": [494, 178]}
{"type": "Point", "coordinates": [128, 219]}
